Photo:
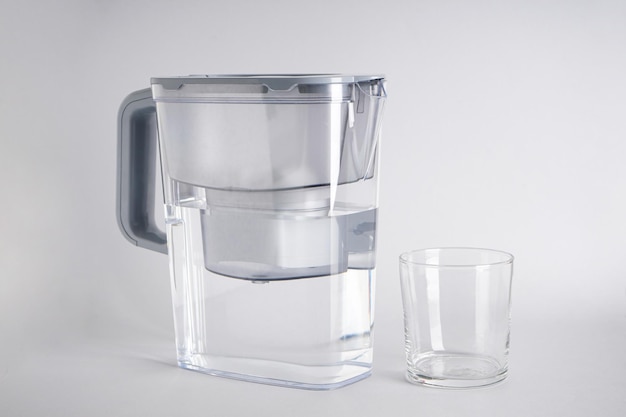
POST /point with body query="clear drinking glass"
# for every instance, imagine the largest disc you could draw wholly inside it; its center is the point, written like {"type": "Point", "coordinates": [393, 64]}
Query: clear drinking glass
{"type": "Point", "coordinates": [456, 315]}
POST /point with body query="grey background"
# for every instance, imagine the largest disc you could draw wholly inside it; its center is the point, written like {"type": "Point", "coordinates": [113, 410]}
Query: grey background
{"type": "Point", "coordinates": [505, 128]}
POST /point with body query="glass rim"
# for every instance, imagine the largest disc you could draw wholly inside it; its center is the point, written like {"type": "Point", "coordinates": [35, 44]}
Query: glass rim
{"type": "Point", "coordinates": [404, 257]}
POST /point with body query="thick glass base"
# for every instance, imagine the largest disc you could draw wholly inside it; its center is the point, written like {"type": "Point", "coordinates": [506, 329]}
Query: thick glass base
{"type": "Point", "coordinates": [318, 378]}
{"type": "Point", "coordinates": [455, 370]}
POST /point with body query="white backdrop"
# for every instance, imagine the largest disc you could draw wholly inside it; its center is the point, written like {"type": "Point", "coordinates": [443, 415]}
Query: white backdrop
{"type": "Point", "coordinates": [505, 128]}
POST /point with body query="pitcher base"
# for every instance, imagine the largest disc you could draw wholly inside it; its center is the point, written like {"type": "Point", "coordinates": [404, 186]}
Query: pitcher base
{"type": "Point", "coordinates": [319, 378]}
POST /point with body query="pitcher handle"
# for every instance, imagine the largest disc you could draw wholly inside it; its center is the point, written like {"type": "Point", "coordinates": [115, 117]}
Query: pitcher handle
{"type": "Point", "coordinates": [136, 164]}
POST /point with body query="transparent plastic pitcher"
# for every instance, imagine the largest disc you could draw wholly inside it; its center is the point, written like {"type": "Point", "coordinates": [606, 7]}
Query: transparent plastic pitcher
{"type": "Point", "coordinates": [270, 188]}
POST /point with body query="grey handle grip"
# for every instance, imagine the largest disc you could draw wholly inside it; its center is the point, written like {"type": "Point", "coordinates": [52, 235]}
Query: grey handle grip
{"type": "Point", "coordinates": [136, 164]}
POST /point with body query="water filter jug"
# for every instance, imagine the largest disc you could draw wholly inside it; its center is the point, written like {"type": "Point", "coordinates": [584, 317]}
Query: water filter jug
{"type": "Point", "coordinates": [270, 185]}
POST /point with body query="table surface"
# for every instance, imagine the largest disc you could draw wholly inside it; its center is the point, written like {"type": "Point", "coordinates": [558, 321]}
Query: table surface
{"type": "Point", "coordinates": [557, 367]}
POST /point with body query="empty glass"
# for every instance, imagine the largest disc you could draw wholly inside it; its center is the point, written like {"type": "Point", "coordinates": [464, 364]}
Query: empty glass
{"type": "Point", "coordinates": [456, 315]}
